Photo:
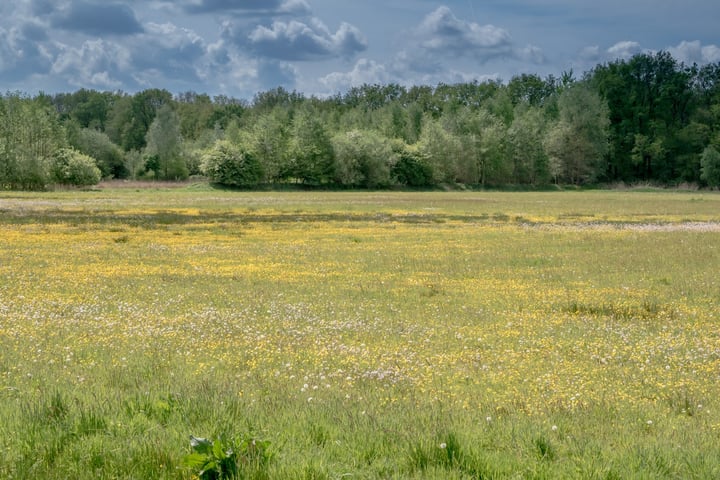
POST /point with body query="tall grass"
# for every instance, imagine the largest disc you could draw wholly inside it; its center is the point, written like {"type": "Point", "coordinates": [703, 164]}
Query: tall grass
{"type": "Point", "coordinates": [390, 335]}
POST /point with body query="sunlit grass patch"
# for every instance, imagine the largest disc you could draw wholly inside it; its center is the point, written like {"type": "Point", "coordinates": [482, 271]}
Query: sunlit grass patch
{"type": "Point", "coordinates": [358, 334]}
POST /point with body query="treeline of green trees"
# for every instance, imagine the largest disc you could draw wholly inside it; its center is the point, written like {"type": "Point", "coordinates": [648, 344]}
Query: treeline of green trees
{"type": "Point", "coordinates": [648, 118]}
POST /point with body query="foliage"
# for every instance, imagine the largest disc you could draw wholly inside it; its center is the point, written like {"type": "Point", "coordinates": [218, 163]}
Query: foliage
{"type": "Point", "coordinates": [648, 118]}
{"type": "Point", "coordinates": [229, 164]}
{"type": "Point", "coordinates": [363, 159]}
{"type": "Point", "coordinates": [164, 146]}
{"type": "Point", "coordinates": [270, 137]}
{"type": "Point", "coordinates": [110, 157]}
{"type": "Point", "coordinates": [578, 142]}
{"type": "Point", "coordinates": [710, 166]}
{"type": "Point", "coordinates": [227, 459]}
{"type": "Point", "coordinates": [411, 168]}
{"type": "Point", "coordinates": [311, 155]}
{"type": "Point", "coordinates": [442, 150]}
{"type": "Point", "coordinates": [30, 133]}
{"type": "Point", "coordinates": [525, 144]}
{"type": "Point", "coordinates": [70, 167]}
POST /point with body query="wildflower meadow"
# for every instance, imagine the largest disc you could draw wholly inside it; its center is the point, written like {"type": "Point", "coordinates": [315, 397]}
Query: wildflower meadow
{"type": "Point", "coordinates": [153, 333]}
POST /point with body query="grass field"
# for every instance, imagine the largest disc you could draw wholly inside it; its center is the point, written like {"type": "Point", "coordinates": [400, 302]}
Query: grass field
{"type": "Point", "coordinates": [360, 335]}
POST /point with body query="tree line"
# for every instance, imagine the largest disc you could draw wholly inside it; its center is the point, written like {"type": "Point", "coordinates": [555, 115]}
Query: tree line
{"type": "Point", "coordinates": [647, 118]}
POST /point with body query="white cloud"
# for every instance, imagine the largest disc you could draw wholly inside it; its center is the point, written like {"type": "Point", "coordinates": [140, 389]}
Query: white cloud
{"type": "Point", "coordinates": [297, 41]}
{"type": "Point", "coordinates": [444, 33]}
{"type": "Point", "coordinates": [364, 71]}
{"type": "Point", "coordinates": [257, 7]}
{"type": "Point", "coordinates": [624, 50]}
{"type": "Point", "coordinates": [442, 37]}
{"type": "Point", "coordinates": [695, 52]}
{"type": "Point", "coordinates": [591, 54]}
{"type": "Point", "coordinates": [531, 54]}
{"type": "Point", "coordinates": [21, 56]}
{"type": "Point", "coordinates": [97, 18]}
{"type": "Point", "coordinates": [95, 63]}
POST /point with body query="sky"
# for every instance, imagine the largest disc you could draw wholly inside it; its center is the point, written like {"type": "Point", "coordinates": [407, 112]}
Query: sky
{"type": "Point", "coordinates": [322, 47]}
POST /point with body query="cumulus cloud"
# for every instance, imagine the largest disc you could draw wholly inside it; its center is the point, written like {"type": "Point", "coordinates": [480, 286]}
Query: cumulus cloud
{"type": "Point", "coordinates": [444, 33]}
{"type": "Point", "coordinates": [275, 74]}
{"type": "Point", "coordinates": [170, 49]}
{"type": "Point", "coordinates": [164, 55]}
{"type": "Point", "coordinates": [96, 18]}
{"type": "Point", "coordinates": [624, 50]}
{"type": "Point", "coordinates": [531, 54]}
{"type": "Point", "coordinates": [42, 7]}
{"type": "Point", "coordinates": [21, 55]}
{"type": "Point", "coordinates": [695, 52]}
{"type": "Point", "coordinates": [297, 41]}
{"type": "Point", "coordinates": [591, 54]}
{"type": "Point", "coordinates": [96, 63]}
{"type": "Point", "coordinates": [441, 36]}
{"type": "Point", "coordinates": [687, 52]}
{"type": "Point", "coordinates": [364, 71]}
{"type": "Point", "coordinates": [248, 7]}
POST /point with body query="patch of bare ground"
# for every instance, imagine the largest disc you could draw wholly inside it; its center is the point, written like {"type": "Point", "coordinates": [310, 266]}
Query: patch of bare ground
{"type": "Point", "coordinates": [144, 184]}
{"type": "Point", "coordinates": [637, 227]}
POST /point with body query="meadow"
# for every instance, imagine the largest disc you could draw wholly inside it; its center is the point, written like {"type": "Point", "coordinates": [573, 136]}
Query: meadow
{"type": "Point", "coordinates": [328, 335]}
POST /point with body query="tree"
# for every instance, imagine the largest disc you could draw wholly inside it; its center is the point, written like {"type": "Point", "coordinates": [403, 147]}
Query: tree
{"type": "Point", "coordinates": [70, 167]}
{"type": "Point", "coordinates": [363, 158]}
{"type": "Point", "coordinates": [130, 117]}
{"type": "Point", "coordinates": [578, 142]}
{"type": "Point", "coordinates": [525, 144]}
{"type": "Point", "coordinates": [232, 165]}
{"type": "Point", "coordinates": [311, 155]}
{"type": "Point", "coordinates": [530, 89]}
{"type": "Point", "coordinates": [110, 157]}
{"type": "Point", "coordinates": [195, 112]}
{"type": "Point", "coordinates": [442, 150]}
{"type": "Point", "coordinates": [164, 145]}
{"type": "Point", "coordinates": [650, 100]}
{"type": "Point", "coordinates": [270, 138]}
{"type": "Point", "coordinates": [483, 155]}
{"type": "Point", "coordinates": [710, 166]}
{"type": "Point", "coordinates": [30, 134]}
{"type": "Point", "coordinates": [89, 108]}
{"type": "Point", "coordinates": [493, 165]}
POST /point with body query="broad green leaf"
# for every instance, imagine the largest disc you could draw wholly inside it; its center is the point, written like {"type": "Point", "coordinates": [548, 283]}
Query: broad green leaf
{"type": "Point", "coordinates": [201, 445]}
{"type": "Point", "coordinates": [218, 450]}
{"type": "Point", "coordinates": [195, 460]}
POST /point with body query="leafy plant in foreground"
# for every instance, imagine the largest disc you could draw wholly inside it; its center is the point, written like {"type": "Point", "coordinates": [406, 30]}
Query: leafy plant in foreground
{"type": "Point", "coordinates": [222, 458]}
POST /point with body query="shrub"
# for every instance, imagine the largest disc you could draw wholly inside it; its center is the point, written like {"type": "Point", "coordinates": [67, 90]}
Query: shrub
{"type": "Point", "coordinates": [362, 158]}
{"type": "Point", "coordinates": [710, 166]}
{"type": "Point", "coordinates": [70, 167]}
{"type": "Point", "coordinates": [108, 155]}
{"type": "Point", "coordinates": [228, 164]}
{"type": "Point", "coordinates": [412, 170]}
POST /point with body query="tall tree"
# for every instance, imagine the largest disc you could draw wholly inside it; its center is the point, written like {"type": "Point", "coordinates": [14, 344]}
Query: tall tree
{"type": "Point", "coordinates": [109, 157]}
{"type": "Point", "coordinates": [442, 150]}
{"type": "Point", "coordinates": [270, 139]}
{"type": "Point", "coordinates": [710, 166]}
{"type": "Point", "coordinates": [363, 159]}
{"type": "Point", "coordinates": [578, 142]}
{"type": "Point", "coordinates": [164, 145]}
{"type": "Point", "coordinates": [311, 154]}
{"type": "Point", "coordinates": [130, 118]}
{"type": "Point", "coordinates": [30, 134]}
{"type": "Point", "coordinates": [650, 102]}
{"type": "Point", "coordinates": [525, 144]}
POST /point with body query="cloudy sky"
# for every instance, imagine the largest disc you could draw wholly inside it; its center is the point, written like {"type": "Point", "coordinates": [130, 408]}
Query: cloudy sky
{"type": "Point", "coordinates": [320, 47]}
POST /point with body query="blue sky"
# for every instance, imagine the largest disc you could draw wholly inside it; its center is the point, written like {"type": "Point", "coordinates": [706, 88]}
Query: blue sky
{"type": "Point", "coordinates": [321, 47]}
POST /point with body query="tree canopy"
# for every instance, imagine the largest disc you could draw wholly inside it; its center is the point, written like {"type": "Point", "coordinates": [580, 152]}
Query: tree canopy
{"type": "Point", "coordinates": [647, 118]}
